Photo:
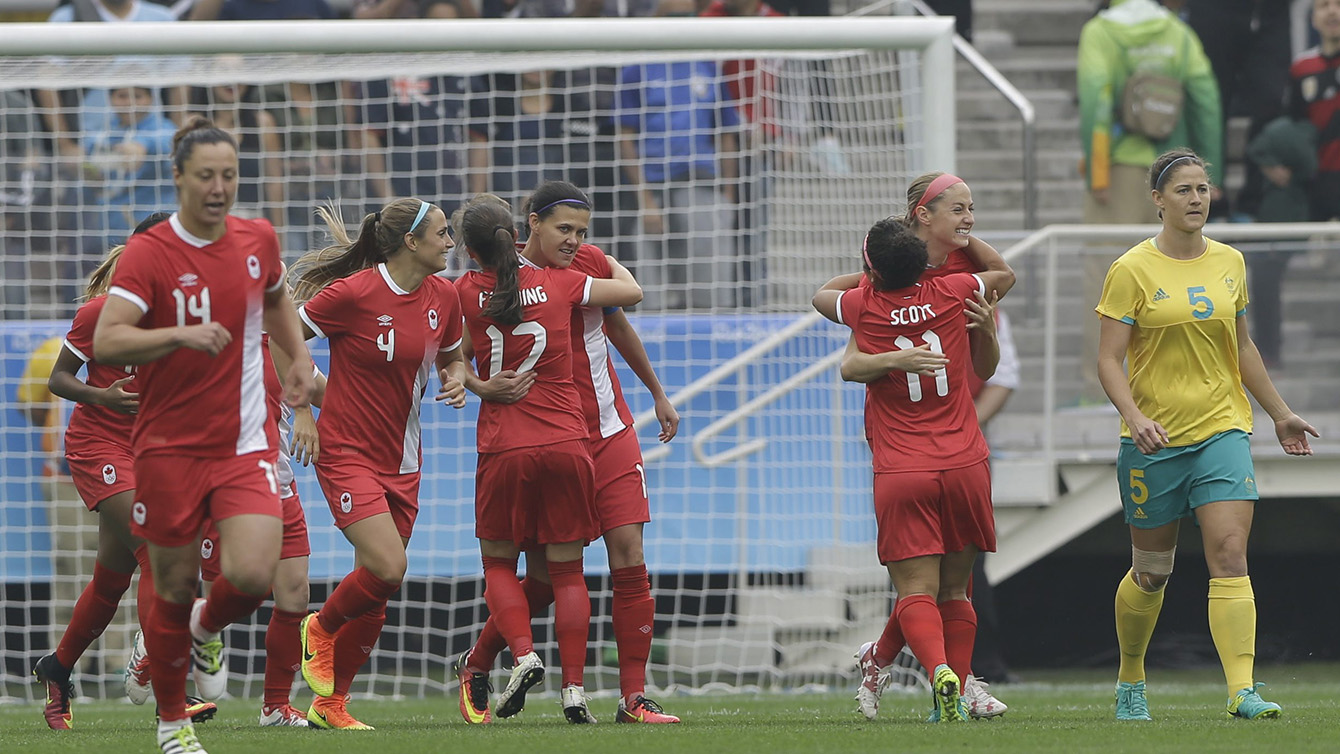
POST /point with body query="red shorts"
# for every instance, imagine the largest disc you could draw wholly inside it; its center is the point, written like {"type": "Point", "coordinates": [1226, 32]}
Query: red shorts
{"type": "Point", "coordinates": [100, 470]}
{"type": "Point", "coordinates": [536, 496]}
{"type": "Point", "coordinates": [355, 492]}
{"type": "Point", "coordinates": [934, 512]}
{"type": "Point", "coordinates": [621, 481]}
{"type": "Point", "coordinates": [295, 537]}
{"type": "Point", "coordinates": [175, 494]}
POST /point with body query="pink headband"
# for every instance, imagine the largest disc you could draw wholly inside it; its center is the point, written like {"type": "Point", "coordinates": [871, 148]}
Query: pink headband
{"type": "Point", "coordinates": [865, 254]}
{"type": "Point", "coordinates": [938, 187]}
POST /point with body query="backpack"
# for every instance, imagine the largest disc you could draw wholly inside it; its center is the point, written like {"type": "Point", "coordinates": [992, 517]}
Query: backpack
{"type": "Point", "coordinates": [1151, 102]}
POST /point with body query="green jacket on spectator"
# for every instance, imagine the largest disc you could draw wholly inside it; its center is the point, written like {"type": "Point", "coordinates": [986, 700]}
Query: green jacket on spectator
{"type": "Point", "coordinates": [1292, 144]}
{"type": "Point", "coordinates": [1142, 35]}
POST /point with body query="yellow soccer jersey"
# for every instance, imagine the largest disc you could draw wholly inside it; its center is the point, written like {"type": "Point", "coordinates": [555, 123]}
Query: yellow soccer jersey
{"type": "Point", "coordinates": [1182, 361]}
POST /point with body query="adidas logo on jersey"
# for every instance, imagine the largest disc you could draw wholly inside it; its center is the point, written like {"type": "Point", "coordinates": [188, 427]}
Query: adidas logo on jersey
{"type": "Point", "coordinates": [384, 320]}
{"type": "Point", "coordinates": [1160, 295]}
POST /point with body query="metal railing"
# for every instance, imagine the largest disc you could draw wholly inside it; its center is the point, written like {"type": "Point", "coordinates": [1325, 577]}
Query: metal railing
{"type": "Point", "coordinates": [1027, 114]}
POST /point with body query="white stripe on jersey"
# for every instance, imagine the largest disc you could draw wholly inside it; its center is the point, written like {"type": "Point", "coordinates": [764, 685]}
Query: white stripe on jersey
{"type": "Point", "coordinates": [302, 314]}
{"type": "Point", "coordinates": [69, 346]}
{"type": "Point", "coordinates": [597, 353]}
{"type": "Point", "coordinates": [409, 454]}
{"type": "Point", "coordinates": [252, 409]}
{"type": "Point", "coordinates": [839, 307]}
{"type": "Point", "coordinates": [284, 469]}
{"type": "Point", "coordinates": [117, 290]}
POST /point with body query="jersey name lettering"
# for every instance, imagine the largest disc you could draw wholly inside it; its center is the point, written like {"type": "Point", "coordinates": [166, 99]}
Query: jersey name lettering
{"type": "Point", "coordinates": [911, 315]}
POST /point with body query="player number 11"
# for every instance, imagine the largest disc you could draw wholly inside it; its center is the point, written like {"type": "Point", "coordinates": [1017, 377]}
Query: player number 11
{"type": "Point", "coordinates": [914, 380]}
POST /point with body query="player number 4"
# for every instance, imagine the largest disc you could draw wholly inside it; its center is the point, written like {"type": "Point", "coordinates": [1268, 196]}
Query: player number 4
{"type": "Point", "coordinates": [386, 344]}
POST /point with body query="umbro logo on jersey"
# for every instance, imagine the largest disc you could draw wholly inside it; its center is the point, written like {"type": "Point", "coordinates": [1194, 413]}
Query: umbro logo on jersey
{"type": "Point", "coordinates": [188, 280]}
{"type": "Point", "coordinates": [384, 320]}
{"type": "Point", "coordinates": [1161, 295]}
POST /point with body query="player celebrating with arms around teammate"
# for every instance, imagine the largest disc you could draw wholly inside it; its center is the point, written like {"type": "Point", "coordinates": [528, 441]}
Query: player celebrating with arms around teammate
{"type": "Point", "coordinates": [535, 483]}
{"type": "Point", "coordinates": [932, 482]}
{"type": "Point", "coordinates": [187, 303]}
{"type": "Point", "coordinates": [1174, 309]}
{"type": "Point", "coordinates": [389, 318]}
{"type": "Point", "coordinates": [557, 224]}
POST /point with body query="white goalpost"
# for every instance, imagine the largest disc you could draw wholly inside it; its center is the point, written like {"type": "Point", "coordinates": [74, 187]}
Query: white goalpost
{"type": "Point", "coordinates": [733, 164]}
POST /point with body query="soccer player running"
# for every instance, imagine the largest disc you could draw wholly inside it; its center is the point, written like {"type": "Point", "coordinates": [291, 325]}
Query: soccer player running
{"type": "Point", "coordinates": [932, 484]}
{"type": "Point", "coordinates": [621, 490]}
{"type": "Point", "coordinates": [535, 482]}
{"type": "Point", "coordinates": [939, 212]}
{"type": "Point", "coordinates": [283, 644]}
{"type": "Point", "coordinates": [389, 318]}
{"type": "Point", "coordinates": [187, 303]}
{"type": "Point", "coordinates": [102, 467]}
{"type": "Point", "coordinates": [1174, 308]}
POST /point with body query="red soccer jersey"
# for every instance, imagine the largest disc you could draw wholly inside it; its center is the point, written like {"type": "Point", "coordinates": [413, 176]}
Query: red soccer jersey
{"type": "Point", "coordinates": [89, 423]}
{"type": "Point", "coordinates": [191, 403]}
{"type": "Point", "coordinates": [915, 422]}
{"type": "Point", "coordinates": [551, 412]}
{"type": "Point", "coordinates": [384, 341]}
{"type": "Point", "coordinates": [603, 404]}
{"type": "Point", "coordinates": [956, 262]}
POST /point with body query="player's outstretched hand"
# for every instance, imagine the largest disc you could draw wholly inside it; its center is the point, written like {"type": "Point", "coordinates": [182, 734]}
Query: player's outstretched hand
{"type": "Point", "coordinates": [506, 386]}
{"type": "Point", "coordinates": [306, 445]}
{"type": "Point", "coordinates": [210, 337]}
{"type": "Point", "coordinates": [119, 400]}
{"type": "Point", "coordinates": [919, 360]}
{"type": "Point", "coordinates": [669, 419]}
{"type": "Point", "coordinates": [1149, 435]}
{"type": "Point", "coordinates": [452, 391]}
{"type": "Point", "coordinates": [299, 384]}
{"type": "Point", "coordinates": [1292, 432]}
{"type": "Point", "coordinates": [981, 312]}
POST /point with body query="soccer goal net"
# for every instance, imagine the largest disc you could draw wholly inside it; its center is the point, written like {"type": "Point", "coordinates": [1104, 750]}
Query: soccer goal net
{"type": "Point", "coordinates": [733, 165]}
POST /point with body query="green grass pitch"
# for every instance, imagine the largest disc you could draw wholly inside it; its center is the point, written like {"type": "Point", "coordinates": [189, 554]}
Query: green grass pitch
{"type": "Point", "coordinates": [1053, 712]}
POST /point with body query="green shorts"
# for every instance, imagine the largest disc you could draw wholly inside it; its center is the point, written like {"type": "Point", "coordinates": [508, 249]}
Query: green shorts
{"type": "Point", "coordinates": [1161, 488]}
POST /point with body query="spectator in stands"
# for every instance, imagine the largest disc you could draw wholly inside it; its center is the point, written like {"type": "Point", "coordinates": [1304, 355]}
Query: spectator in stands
{"type": "Point", "coordinates": [1314, 95]}
{"type": "Point", "coordinates": [374, 9]}
{"type": "Point", "coordinates": [1184, 450]}
{"type": "Point", "coordinates": [313, 131]}
{"type": "Point", "coordinates": [678, 125]}
{"type": "Point", "coordinates": [260, 10]}
{"type": "Point", "coordinates": [59, 109]}
{"type": "Point", "coordinates": [260, 185]}
{"type": "Point", "coordinates": [1247, 43]}
{"type": "Point", "coordinates": [1132, 57]}
{"type": "Point", "coordinates": [419, 121]}
{"type": "Point", "coordinates": [127, 174]}
{"type": "Point", "coordinates": [25, 206]}
{"type": "Point", "coordinates": [529, 8]}
{"type": "Point", "coordinates": [525, 129]}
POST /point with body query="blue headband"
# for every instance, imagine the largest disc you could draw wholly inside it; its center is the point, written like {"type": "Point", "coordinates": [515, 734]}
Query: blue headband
{"type": "Point", "coordinates": [1159, 181]}
{"type": "Point", "coordinates": [562, 201]}
{"type": "Point", "coordinates": [423, 210]}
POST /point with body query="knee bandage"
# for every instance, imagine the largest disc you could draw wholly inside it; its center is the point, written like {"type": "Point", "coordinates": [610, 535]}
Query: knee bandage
{"type": "Point", "coordinates": [1158, 565]}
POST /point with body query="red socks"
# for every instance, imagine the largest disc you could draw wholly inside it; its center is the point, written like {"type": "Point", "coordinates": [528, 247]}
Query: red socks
{"type": "Point", "coordinates": [359, 593]}
{"type": "Point", "coordinates": [634, 619]}
{"type": "Point", "coordinates": [168, 639]}
{"type": "Point", "coordinates": [923, 628]}
{"type": "Point", "coordinates": [94, 609]}
{"type": "Point", "coordinates": [507, 603]}
{"type": "Point", "coordinates": [283, 655]}
{"type": "Point", "coordinates": [144, 593]}
{"type": "Point", "coordinates": [354, 645]}
{"type": "Point", "coordinates": [226, 604]}
{"type": "Point", "coordinates": [891, 642]}
{"type": "Point", "coordinates": [960, 627]}
{"type": "Point", "coordinates": [491, 643]}
{"type": "Point", "coordinates": [572, 618]}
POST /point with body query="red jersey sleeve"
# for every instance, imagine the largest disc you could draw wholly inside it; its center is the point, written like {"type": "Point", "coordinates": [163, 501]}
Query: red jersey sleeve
{"type": "Point", "coordinates": [323, 312]}
{"type": "Point", "coordinates": [136, 276]}
{"type": "Point", "coordinates": [453, 322]}
{"type": "Point", "coordinates": [850, 304]}
{"type": "Point", "coordinates": [592, 261]}
{"type": "Point", "coordinates": [80, 338]}
{"type": "Point", "coordinates": [571, 285]}
{"type": "Point", "coordinates": [961, 284]}
{"type": "Point", "coordinates": [271, 264]}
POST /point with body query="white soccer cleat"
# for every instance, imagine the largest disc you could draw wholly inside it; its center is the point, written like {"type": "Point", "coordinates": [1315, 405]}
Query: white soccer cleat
{"type": "Point", "coordinates": [283, 716]}
{"type": "Point", "coordinates": [874, 680]}
{"type": "Point", "coordinates": [528, 671]}
{"type": "Point", "coordinates": [138, 687]}
{"type": "Point", "coordinates": [575, 708]}
{"type": "Point", "coordinates": [208, 667]}
{"type": "Point", "coordinates": [179, 740]}
{"type": "Point", "coordinates": [981, 704]}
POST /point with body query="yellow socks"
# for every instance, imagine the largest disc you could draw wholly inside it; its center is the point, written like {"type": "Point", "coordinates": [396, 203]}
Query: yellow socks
{"type": "Point", "coordinates": [1233, 626]}
{"type": "Point", "coordinates": [1137, 613]}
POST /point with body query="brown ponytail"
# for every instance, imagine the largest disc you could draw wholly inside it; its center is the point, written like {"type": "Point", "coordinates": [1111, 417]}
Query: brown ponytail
{"type": "Point", "coordinates": [487, 231]}
{"type": "Point", "coordinates": [380, 234]}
